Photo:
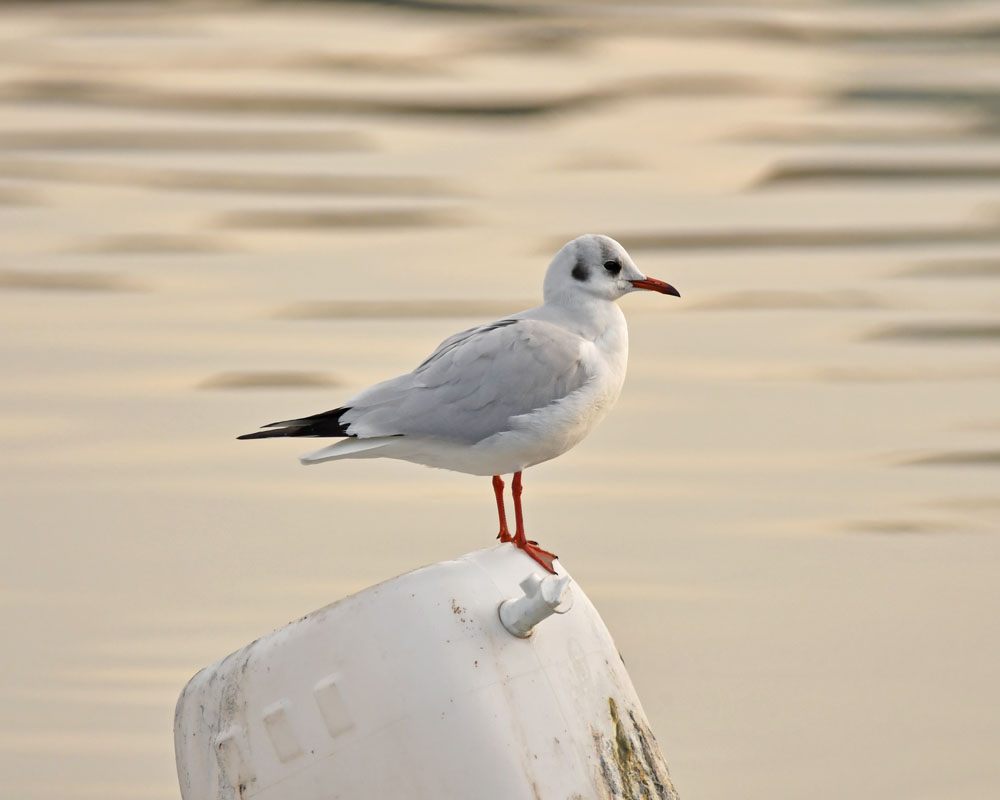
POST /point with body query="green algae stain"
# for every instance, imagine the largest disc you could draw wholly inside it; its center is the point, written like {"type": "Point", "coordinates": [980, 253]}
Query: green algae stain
{"type": "Point", "coordinates": [636, 770]}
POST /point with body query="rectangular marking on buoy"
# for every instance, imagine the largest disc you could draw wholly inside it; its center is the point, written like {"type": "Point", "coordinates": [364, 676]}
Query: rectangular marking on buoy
{"type": "Point", "coordinates": [279, 730]}
{"type": "Point", "coordinates": [332, 707]}
{"type": "Point", "coordinates": [231, 749]}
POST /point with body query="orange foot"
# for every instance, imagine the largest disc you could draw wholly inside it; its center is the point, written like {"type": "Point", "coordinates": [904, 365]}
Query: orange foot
{"type": "Point", "coordinates": [504, 536]}
{"type": "Point", "coordinates": [543, 557]}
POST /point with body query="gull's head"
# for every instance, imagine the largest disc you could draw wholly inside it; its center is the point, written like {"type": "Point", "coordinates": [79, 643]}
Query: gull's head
{"type": "Point", "coordinates": [596, 266]}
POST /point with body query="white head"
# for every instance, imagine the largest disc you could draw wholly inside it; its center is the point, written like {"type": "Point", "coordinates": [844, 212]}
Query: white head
{"type": "Point", "coordinates": [596, 266]}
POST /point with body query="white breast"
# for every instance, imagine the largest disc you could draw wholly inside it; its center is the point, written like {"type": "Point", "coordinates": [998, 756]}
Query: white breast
{"type": "Point", "coordinates": [551, 431]}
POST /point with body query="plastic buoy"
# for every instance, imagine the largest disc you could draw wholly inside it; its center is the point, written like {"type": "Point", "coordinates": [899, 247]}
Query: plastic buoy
{"type": "Point", "coordinates": [473, 679]}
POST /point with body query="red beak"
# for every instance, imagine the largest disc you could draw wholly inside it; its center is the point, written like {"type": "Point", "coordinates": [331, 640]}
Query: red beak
{"type": "Point", "coordinates": [654, 285]}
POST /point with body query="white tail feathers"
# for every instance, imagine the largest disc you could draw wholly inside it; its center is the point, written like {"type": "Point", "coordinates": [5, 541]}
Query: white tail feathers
{"type": "Point", "coordinates": [347, 448]}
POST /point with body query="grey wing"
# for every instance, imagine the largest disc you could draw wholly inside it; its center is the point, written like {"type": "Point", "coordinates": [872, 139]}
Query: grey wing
{"type": "Point", "coordinates": [472, 385]}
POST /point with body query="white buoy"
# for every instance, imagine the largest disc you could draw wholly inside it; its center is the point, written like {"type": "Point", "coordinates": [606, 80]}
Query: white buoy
{"type": "Point", "coordinates": [452, 682]}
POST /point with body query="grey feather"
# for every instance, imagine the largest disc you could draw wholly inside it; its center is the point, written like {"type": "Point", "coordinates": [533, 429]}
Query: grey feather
{"type": "Point", "coordinates": [471, 386]}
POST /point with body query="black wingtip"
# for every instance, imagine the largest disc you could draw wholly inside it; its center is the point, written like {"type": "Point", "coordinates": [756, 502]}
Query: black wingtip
{"type": "Point", "coordinates": [261, 435]}
{"type": "Point", "coordinates": [326, 424]}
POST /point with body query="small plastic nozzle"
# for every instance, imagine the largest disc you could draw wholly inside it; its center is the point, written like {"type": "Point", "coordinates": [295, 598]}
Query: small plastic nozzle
{"type": "Point", "coordinates": [542, 598]}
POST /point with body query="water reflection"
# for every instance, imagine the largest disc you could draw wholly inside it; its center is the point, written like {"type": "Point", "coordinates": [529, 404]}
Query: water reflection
{"type": "Point", "coordinates": [241, 181]}
{"type": "Point", "coordinates": [955, 268]}
{"type": "Point", "coordinates": [65, 281]}
{"type": "Point", "coordinates": [962, 332]}
{"type": "Point", "coordinates": [183, 140]}
{"type": "Point", "coordinates": [399, 309]}
{"type": "Point", "coordinates": [268, 380]}
{"type": "Point", "coordinates": [320, 193]}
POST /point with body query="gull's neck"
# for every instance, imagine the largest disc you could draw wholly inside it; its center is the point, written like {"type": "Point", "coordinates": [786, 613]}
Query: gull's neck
{"type": "Point", "coordinates": [593, 318]}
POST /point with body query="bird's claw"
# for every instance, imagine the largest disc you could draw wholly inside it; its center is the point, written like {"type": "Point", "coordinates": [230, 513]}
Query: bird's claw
{"type": "Point", "coordinates": [542, 557]}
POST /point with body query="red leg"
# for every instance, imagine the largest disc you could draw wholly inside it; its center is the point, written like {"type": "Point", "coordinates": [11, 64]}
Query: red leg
{"type": "Point", "coordinates": [543, 557]}
{"type": "Point", "coordinates": [515, 489]}
{"type": "Point", "coordinates": [504, 535]}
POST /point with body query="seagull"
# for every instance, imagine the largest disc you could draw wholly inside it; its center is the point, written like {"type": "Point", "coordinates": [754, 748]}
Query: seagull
{"type": "Point", "coordinates": [501, 397]}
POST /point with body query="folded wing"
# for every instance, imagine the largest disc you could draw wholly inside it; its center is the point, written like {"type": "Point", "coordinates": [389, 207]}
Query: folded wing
{"type": "Point", "coordinates": [474, 383]}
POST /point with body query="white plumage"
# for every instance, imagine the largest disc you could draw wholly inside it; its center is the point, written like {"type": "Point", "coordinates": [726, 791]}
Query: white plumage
{"type": "Point", "coordinates": [507, 395]}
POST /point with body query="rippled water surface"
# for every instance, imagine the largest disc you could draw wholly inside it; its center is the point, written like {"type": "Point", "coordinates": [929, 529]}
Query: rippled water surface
{"type": "Point", "coordinates": [214, 217]}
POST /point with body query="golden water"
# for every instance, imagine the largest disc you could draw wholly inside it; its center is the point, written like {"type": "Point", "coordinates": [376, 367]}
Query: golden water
{"type": "Point", "coordinates": [213, 217]}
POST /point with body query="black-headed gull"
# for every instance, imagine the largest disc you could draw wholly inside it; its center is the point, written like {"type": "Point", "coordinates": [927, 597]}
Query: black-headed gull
{"type": "Point", "coordinates": [505, 396]}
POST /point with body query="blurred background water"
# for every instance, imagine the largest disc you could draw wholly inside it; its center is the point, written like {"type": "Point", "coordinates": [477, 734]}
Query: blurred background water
{"type": "Point", "coordinates": [218, 215]}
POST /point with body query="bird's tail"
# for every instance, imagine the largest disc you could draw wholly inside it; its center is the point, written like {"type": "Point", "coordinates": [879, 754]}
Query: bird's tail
{"type": "Point", "coordinates": [351, 448]}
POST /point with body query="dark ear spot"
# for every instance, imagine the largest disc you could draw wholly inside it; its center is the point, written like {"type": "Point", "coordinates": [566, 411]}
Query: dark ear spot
{"type": "Point", "coordinates": [580, 271]}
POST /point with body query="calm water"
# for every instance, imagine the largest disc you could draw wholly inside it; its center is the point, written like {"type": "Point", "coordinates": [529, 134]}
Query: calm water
{"type": "Point", "coordinates": [217, 217]}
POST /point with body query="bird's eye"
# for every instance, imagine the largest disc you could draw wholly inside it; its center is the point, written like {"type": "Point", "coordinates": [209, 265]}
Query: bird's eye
{"type": "Point", "coordinates": [614, 267]}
